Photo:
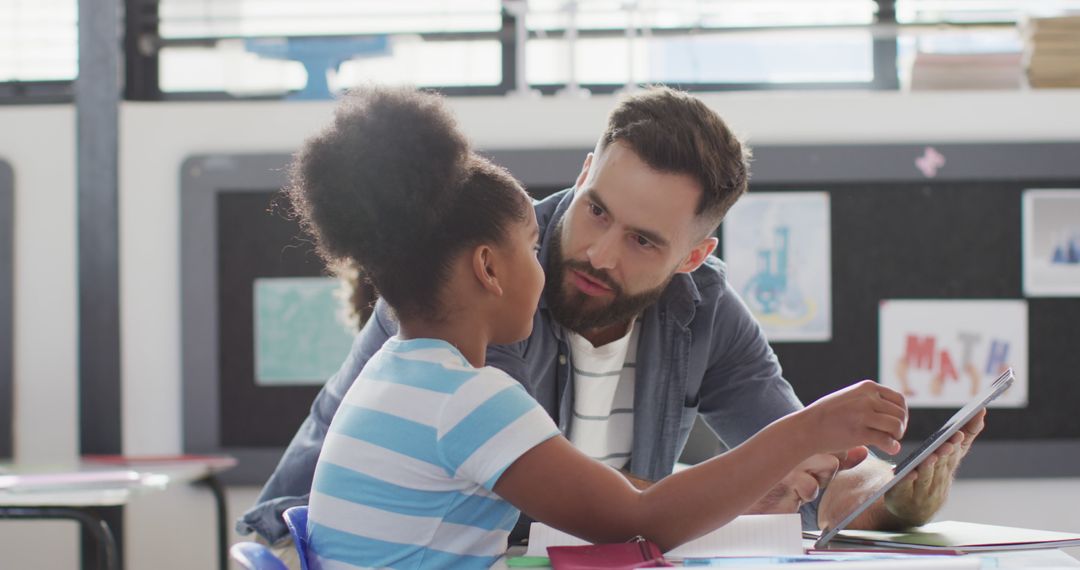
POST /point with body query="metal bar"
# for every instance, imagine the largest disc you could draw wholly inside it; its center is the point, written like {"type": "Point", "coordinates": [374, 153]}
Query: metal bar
{"type": "Point", "coordinates": [885, 50]}
{"type": "Point", "coordinates": [97, 101]}
{"type": "Point", "coordinates": [880, 28]}
{"type": "Point", "coordinates": [107, 548]}
{"type": "Point", "coordinates": [141, 50]}
{"type": "Point", "coordinates": [509, 53]}
{"type": "Point", "coordinates": [218, 490]}
{"type": "Point", "coordinates": [7, 310]}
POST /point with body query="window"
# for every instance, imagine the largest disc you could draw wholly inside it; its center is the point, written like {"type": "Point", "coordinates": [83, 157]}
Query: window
{"type": "Point", "coordinates": [268, 47]}
{"type": "Point", "coordinates": [308, 49]}
{"type": "Point", "coordinates": [38, 40]}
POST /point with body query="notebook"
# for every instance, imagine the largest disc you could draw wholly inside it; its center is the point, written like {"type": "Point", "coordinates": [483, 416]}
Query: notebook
{"type": "Point", "coordinates": [963, 536]}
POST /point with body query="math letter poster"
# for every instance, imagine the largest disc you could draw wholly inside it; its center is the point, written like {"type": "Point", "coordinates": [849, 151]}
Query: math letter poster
{"type": "Point", "coordinates": [940, 353]}
{"type": "Point", "coordinates": [778, 254]}
{"type": "Point", "coordinates": [1052, 243]}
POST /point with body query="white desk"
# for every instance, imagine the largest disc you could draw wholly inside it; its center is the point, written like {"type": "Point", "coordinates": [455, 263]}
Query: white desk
{"type": "Point", "coordinates": [75, 492]}
{"type": "Point", "coordinates": [1044, 559]}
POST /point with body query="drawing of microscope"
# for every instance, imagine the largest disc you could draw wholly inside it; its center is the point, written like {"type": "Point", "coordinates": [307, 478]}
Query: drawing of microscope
{"type": "Point", "coordinates": [768, 286]}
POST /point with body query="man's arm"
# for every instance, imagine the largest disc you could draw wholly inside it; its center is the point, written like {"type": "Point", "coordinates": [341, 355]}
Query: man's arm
{"type": "Point", "coordinates": [912, 502]}
{"type": "Point", "coordinates": [290, 483]}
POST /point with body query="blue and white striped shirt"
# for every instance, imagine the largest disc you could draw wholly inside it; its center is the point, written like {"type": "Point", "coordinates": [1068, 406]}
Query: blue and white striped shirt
{"type": "Point", "coordinates": [406, 473]}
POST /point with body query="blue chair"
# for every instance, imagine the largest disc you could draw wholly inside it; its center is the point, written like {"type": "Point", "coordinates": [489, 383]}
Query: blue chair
{"type": "Point", "coordinates": [296, 520]}
{"type": "Point", "coordinates": [254, 556]}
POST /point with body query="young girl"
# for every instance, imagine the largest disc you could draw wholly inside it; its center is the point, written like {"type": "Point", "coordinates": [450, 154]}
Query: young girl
{"type": "Point", "coordinates": [431, 453]}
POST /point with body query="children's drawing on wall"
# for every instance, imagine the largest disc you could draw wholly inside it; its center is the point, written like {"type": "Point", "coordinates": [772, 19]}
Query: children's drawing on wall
{"type": "Point", "coordinates": [778, 253]}
{"type": "Point", "coordinates": [300, 335]}
{"type": "Point", "coordinates": [1052, 243]}
{"type": "Point", "coordinates": [940, 353]}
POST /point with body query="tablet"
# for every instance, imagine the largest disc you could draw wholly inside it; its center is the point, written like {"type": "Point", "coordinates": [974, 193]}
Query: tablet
{"type": "Point", "coordinates": [909, 463]}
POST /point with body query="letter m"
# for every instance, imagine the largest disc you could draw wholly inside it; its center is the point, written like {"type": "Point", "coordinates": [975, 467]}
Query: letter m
{"type": "Point", "coordinates": [920, 351]}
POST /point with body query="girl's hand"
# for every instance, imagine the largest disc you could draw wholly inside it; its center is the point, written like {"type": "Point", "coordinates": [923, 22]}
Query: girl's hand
{"type": "Point", "coordinates": [865, 413]}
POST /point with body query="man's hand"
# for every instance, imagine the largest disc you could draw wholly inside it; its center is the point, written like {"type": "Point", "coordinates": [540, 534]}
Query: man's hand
{"type": "Point", "coordinates": [806, 482]}
{"type": "Point", "coordinates": [922, 493]}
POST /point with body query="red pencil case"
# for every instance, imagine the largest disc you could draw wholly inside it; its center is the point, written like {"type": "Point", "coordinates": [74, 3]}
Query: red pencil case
{"type": "Point", "coordinates": [639, 553]}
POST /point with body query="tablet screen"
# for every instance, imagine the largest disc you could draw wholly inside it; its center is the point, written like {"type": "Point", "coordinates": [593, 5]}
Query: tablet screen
{"type": "Point", "coordinates": [924, 450]}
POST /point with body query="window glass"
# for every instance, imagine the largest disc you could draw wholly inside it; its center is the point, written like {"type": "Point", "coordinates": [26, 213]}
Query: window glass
{"type": "Point", "coordinates": [38, 40]}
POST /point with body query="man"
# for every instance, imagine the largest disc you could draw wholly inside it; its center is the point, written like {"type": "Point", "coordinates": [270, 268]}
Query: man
{"type": "Point", "coordinates": [638, 331]}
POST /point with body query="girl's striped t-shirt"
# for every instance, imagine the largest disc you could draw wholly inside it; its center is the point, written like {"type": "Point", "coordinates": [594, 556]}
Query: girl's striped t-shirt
{"type": "Point", "coordinates": [406, 474]}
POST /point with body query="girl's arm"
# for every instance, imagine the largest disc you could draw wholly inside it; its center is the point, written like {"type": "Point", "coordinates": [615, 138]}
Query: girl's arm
{"type": "Point", "coordinates": [556, 484]}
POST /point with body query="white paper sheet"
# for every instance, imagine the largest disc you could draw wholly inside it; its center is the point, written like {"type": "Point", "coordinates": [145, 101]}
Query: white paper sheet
{"type": "Point", "coordinates": [748, 535]}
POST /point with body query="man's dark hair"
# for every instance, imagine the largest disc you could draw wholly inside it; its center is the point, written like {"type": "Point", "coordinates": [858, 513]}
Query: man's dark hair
{"type": "Point", "coordinates": [392, 188]}
{"type": "Point", "coordinates": [675, 132]}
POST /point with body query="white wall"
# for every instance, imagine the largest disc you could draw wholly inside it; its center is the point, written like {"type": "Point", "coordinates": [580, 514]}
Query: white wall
{"type": "Point", "coordinates": [39, 143]}
{"type": "Point", "coordinates": [156, 137]}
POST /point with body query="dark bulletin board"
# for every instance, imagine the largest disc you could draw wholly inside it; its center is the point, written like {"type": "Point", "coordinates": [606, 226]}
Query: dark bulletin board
{"type": "Point", "coordinates": [229, 237]}
{"type": "Point", "coordinates": [255, 240]}
{"type": "Point", "coordinates": [898, 234]}
{"type": "Point", "coordinates": [7, 329]}
{"type": "Point", "coordinates": [895, 234]}
{"type": "Point", "coordinates": [947, 240]}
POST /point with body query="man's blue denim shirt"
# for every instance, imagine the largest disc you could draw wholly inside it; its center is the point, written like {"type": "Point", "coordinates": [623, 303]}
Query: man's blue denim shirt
{"type": "Point", "coordinates": [700, 352]}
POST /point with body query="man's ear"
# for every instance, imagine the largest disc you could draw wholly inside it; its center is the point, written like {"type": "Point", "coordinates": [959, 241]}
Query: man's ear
{"type": "Point", "coordinates": [484, 269]}
{"type": "Point", "coordinates": [698, 255]}
{"type": "Point", "coordinates": [584, 171]}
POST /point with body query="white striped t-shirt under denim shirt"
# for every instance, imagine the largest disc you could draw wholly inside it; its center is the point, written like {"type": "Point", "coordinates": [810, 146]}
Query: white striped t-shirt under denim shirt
{"type": "Point", "coordinates": [406, 473]}
{"type": "Point", "coordinates": [603, 422]}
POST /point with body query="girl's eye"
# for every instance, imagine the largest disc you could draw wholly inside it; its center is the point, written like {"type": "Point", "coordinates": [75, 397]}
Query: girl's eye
{"type": "Point", "coordinates": [595, 210]}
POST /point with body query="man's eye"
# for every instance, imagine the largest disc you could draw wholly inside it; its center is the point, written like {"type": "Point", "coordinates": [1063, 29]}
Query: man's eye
{"type": "Point", "coordinates": [643, 241]}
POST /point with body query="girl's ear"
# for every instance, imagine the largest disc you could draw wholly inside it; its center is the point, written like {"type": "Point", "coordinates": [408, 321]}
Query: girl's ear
{"type": "Point", "coordinates": [484, 269]}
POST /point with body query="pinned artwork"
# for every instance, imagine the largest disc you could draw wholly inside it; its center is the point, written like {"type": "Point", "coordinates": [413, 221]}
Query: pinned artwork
{"type": "Point", "coordinates": [299, 336]}
{"type": "Point", "coordinates": [930, 162]}
{"type": "Point", "coordinates": [940, 353]}
{"type": "Point", "coordinates": [778, 252]}
{"type": "Point", "coordinates": [1052, 243]}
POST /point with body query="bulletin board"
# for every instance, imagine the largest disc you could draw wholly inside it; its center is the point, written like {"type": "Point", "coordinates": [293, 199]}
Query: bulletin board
{"type": "Point", "coordinates": [895, 232]}
{"type": "Point", "coordinates": [952, 232]}
{"type": "Point", "coordinates": [235, 238]}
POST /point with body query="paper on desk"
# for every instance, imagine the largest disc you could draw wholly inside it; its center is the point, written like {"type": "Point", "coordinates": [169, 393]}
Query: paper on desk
{"type": "Point", "coordinates": [965, 536]}
{"type": "Point", "coordinates": [907, 563]}
{"type": "Point", "coordinates": [748, 535]}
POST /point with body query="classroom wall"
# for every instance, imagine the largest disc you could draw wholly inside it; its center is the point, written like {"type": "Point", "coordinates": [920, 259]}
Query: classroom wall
{"type": "Point", "coordinates": [39, 143]}
{"type": "Point", "coordinates": [156, 137]}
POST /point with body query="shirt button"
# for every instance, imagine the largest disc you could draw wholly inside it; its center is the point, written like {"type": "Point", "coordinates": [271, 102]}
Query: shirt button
{"type": "Point", "coordinates": [562, 359]}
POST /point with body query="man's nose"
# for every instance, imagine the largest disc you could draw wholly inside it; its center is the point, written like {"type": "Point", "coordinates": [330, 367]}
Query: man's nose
{"type": "Point", "coordinates": [604, 251]}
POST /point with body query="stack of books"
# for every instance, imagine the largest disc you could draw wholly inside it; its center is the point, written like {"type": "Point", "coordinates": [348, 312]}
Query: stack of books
{"type": "Point", "coordinates": [1052, 47]}
{"type": "Point", "coordinates": [1002, 70]}
{"type": "Point", "coordinates": [977, 59]}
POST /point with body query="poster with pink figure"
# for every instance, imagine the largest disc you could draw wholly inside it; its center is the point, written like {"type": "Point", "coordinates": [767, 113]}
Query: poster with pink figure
{"type": "Point", "coordinates": [939, 353]}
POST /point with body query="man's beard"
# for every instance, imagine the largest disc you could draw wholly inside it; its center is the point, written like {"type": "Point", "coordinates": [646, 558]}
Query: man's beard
{"type": "Point", "coordinates": [567, 304]}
